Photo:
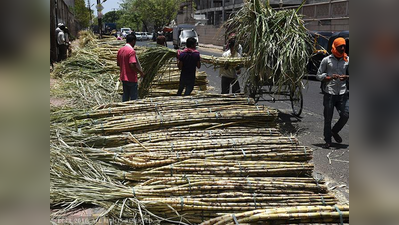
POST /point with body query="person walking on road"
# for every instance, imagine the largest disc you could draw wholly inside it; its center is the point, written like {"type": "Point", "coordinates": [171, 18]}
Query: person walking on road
{"type": "Point", "coordinates": [229, 75]}
{"type": "Point", "coordinates": [129, 68]}
{"type": "Point", "coordinates": [333, 72]}
{"type": "Point", "coordinates": [161, 39]}
{"type": "Point", "coordinates": [188, 62]}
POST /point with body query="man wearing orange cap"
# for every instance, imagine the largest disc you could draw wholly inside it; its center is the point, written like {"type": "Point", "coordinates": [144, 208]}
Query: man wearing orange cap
{"type": "Point", "coordinates": [333, 72]}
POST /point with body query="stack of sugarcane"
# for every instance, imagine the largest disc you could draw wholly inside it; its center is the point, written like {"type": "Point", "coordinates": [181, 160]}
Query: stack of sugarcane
{"type": "Point", "coordinates": [168, 79]}
{"type": "Point", "coordinates": [115, 156]}
{"type": "Point", "coordinates": [300, 214]}
{"type": "Point", "coordinates": [193, 198]}
{"type": "Point", "coordinates": [276, 43]}
{"type": "Point", "coordinates": [194, 118]}
{"type": "Point", "coordinates": [88, 77]}
{"type": "Point", "coordinates": [155, 58]}
{"type": "Point", "coordinates": [73, 138]}
{"type": "Point", "coordinates": [146, 155]}
{"type": "Point", "coordinates": [206, 100]}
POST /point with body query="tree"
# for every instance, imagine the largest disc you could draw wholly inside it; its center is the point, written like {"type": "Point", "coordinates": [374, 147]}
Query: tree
{"type": "Point", "coordinates": [112, 16]}
{"type": "Point", "coordinates": [156, 12]}
{"type": "Point", "coordinates": [128, 16]}
{"type": "Point", "coordinates": [82, 14]}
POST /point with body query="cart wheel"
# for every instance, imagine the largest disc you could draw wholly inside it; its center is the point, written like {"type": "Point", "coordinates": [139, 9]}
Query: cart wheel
{"type": "Point", "coordinates": [296, 99]}
{"type": "Point", "coordinates": [254, 92]}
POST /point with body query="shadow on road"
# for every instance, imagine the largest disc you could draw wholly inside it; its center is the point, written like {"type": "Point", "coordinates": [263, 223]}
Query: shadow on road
{"type": "Point", "coordinates": [333, 146]}
{"type": "Point", "coordinates": [289, 124]}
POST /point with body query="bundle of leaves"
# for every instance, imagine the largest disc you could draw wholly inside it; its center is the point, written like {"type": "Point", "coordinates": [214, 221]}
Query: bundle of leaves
{"type": "Point", "coordinates": [276, 43]}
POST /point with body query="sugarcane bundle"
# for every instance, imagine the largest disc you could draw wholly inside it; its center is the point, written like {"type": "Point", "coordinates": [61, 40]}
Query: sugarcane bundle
{"type": "Point", "coordinates": [145, 157]}
{"type": "Point", "coordinates": [300, 214]}
{"type": "Point", "coordinates": [226, 188]}
{"type": "Point", "coordinates": [72, 137]}
{"type": "Point", "coordinates": [276, 43]}
{"type": "Point", "coordinates": [86, 38]}
{"type": "Point", "coordinates": [157, 92]}
{"type": "Point", "coordinates": [75, 181]}
{"type": "Point", "coordinates": [171, 80]}
{"type": "Point", "coordinates": [204, 100]}
{"type": "Point", "coordinates": [248, 117]}
{"type": "Point", "coordinates": [155, 58]}
{"type": "Point", "coordinates": [223, 61]}
{"type": "Point", "coordinates": [225, 168]}
{"type": "Point", "coordinates": [156, 104]}
{"type": "Point", "coordinates": [82, 63]}
{"type": "Point", "coordinates": [151, 61]}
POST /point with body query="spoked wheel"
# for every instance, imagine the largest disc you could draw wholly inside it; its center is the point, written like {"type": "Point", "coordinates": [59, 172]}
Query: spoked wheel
{"type": "Point", "coordinates": [257, 94]}
{"type": "Point", "coordinates": [253, 91]}
{"type": "Point", "coordinates": [296, 99]}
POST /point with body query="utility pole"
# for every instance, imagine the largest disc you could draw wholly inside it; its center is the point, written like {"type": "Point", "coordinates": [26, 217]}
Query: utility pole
{"type": "Point", "coordinates": [91, 19]}
{"type": "Point", "coordinates": [99, 16]}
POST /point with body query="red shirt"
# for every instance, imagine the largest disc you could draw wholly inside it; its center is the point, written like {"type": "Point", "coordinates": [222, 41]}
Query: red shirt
{"type": "Point", "coordinates": [126, 56]}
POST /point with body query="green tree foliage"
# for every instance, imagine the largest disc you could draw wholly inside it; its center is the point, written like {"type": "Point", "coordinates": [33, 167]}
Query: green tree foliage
{"type": "Point", "coordinates": [156, 12]}
{"type": "Point", "coordinates": [128, 16]}
{"type": "Point", "coordinates": [112, 16]}
{"type": "Point", "coordinates": [82, 14]}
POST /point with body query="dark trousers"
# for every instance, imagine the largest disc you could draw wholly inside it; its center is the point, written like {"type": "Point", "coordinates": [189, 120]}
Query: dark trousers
{"type": "Point", "coordinates": [226, 81]}
{"type": "Point", "coordinates": [62, 52]}
{"type": "Point", "coordinates": [341, 103]}
{"type": "Point", "coordinates": [129, 91]}
{"type": "Point", "coordinates": [188, 84]}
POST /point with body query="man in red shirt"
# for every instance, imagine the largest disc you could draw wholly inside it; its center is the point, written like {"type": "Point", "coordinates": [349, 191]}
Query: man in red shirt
{"type": "Point", "coordinates": [129, 68]}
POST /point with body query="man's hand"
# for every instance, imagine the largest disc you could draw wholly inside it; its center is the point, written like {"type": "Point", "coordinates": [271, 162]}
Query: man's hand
{"type": "Point", "coordinates": [343, 77]}
{"type": "Point", "coordinates": [336, 76]}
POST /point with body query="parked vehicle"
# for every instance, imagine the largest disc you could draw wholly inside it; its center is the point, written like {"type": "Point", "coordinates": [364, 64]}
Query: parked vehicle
{"type": "Point", "coordinates": [140, 36]}
{"type": "Point", "coordinates": [181, 33]}
{"type": "Point", "coordinates": [109, 27]}
{"type": "Point", "coordinates": [125, 31]}
{"type": "Point", "coordinates": [320, 41]}
{"type": "Point", "coordinates": [149, 35]}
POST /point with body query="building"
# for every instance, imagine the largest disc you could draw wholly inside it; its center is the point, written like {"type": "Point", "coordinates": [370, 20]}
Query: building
{"type": "Point", "coordinates": [70, 3]}
{"type": "Point", "coordinates": [218, 11]}
{"type": "Point", "coordinates": [318, 15]}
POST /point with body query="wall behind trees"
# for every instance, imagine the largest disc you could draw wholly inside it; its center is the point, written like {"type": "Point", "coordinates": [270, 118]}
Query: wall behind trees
{"type": "Point", "coordinates": [210, 34]}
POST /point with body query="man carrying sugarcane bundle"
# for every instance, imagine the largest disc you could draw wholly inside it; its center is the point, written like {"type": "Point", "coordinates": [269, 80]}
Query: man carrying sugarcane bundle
{"type": "Point", "coordinates": [188, 61]}
{"type": "Point", "coordinates": [232, 36]}
{"type": "Point", "coordinates": [333, 72]}
{"type": "Point", "coordinates": [129, 68]}
{"type": "Point", "coordinates": [229, 74]}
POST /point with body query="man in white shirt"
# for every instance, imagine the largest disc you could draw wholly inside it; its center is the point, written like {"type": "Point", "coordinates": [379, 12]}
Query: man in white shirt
{"type": "Point", "coordinates": [61, 42]}
{"type": "Point", "coordinates": [229, 75]}
{"type": "Point", "coordinates": [333, 72]}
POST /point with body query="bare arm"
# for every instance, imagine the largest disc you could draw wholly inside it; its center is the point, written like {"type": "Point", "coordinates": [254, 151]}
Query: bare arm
{"type": "Point", "coordinates": [199, 64]}
{"type": "Point", "coordinates": [133, 66]}
{"type": "Point", "coordinates": [180, 64]}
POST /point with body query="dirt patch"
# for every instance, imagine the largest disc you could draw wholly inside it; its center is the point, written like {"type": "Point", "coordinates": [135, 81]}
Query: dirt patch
{"type": "Point", "coordinates": [56, 102]}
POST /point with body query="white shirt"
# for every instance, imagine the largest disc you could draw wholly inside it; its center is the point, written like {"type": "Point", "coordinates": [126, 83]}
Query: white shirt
{"type": "Point", "coordinates": [230, 71]}
{"type": "Point", "coordinates": [329, 66]}
{"type": "Point", "coordinates": [61, 38]}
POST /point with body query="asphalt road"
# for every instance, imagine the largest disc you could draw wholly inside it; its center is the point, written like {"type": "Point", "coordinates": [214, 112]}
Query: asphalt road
{"type": "Point", "coordinates": [330, 164]}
